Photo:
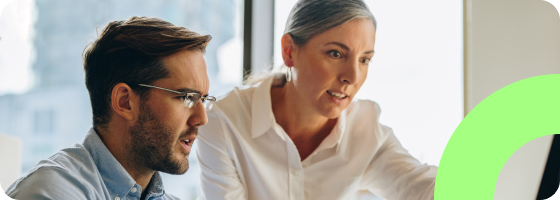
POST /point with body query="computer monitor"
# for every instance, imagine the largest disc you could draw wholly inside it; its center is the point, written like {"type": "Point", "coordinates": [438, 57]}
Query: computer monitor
{"type": "Point", "coordinates": [532, 172]}
{"type": "Point", "coordinates": [551, 176]}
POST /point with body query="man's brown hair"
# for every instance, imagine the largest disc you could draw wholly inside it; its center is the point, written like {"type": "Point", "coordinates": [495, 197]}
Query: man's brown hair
{"type": "Point", "coordinates": [132, 51]}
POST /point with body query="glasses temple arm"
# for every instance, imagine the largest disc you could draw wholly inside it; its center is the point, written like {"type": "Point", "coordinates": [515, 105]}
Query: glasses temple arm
{"type": "Point", "coordinates": [151, 86]}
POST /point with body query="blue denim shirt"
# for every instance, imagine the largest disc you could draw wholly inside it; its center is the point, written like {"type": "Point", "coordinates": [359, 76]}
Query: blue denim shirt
{"type": "Point", "coordinates": [86, 171]}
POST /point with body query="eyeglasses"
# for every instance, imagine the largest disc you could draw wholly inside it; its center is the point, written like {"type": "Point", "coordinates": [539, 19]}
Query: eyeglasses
{"type": "Point", "coordinates": [190, 99]}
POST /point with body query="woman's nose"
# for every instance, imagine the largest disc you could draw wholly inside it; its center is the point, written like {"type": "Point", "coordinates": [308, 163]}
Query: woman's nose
{"type": "Point", "coordinates": [349, 74]}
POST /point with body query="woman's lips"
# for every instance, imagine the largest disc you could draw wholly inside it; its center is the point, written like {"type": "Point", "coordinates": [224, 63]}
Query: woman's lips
{"type": "Point", "coordinates": [337, 94]}
{"type": "Point", "coordinates": [336, 97]}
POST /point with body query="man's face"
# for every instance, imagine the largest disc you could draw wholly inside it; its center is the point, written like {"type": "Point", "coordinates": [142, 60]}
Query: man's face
{"type": "Point", "coordinates": [159, 137]}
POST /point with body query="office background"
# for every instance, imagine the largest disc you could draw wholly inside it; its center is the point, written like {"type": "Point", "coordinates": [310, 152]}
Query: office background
{"type": "Point", "coordinates": [425, 74]}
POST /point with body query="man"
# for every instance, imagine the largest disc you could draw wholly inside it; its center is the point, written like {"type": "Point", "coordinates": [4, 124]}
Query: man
{"type": "Point", "coordinates": [148, 87]}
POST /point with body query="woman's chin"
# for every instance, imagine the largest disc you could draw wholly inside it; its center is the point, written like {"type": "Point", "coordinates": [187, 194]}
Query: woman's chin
{"type": "Point", "coordinates": [332, 113]}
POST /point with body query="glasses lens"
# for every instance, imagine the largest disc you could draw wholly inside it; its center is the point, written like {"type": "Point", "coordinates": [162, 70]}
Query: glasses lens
{"type": "Point", "coordinates": [209, 102]}
{"type": "Point", "coordinates": [191, 100]}
{"type": "Point", "coordinates": [208, 105]}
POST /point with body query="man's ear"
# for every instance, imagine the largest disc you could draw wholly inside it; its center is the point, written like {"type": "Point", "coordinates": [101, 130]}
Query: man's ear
{"type": "Point", "coordinates": [288, 47]}
{"type": "Point", "coordinates": [125, 102]}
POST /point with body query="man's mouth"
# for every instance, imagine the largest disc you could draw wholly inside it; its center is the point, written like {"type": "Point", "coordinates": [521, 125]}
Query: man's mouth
{"type": "Point", "coordinates": [336, 95]}
{"type": "Point", "coordinates": [189, 142]}
{"type": "Point", "coordinates": [188, 137]}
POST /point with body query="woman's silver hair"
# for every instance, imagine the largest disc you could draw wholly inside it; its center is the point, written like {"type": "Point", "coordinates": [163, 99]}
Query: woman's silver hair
{"type": "Point", "coordinates": [312, 17]}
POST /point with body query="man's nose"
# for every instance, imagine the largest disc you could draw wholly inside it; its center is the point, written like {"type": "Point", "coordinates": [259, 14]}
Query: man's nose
{"type": "Point", "coordinates": [198, 117]}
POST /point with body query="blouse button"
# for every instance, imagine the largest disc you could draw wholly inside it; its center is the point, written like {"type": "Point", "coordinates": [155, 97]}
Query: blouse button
{"type": "Point", "coordinates": [133, 190]}
{"type": "Point", "coordinates": [117, 198]}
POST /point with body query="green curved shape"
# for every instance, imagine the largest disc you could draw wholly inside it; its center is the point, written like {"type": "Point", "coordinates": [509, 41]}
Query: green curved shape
{"type": "Point", "coordinates": [492, 132]}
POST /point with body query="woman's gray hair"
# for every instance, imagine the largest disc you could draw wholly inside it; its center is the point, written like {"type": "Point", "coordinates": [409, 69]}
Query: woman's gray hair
{"type": "Point", "coordinates": [312, 17]}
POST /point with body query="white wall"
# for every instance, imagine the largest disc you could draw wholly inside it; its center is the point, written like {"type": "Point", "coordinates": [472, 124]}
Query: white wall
{"type": "Point", "coordinates": [416, 73]}
{"type": "Point", "coordinates": [10, 155]}
{"type": "Point", "coordinates": [507, 41]}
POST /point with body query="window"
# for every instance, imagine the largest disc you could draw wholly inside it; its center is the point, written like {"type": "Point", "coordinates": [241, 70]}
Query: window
{"type": "Point", "coordinates": [41, 71]}
{"type": "Point", "coordinates": [44, 122]}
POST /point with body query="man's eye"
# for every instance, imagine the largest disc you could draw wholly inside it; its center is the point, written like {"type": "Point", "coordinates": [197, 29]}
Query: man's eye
{"type": "Point", "coordinates": [192, 98]}
{"type": "Point", "coordinates": [203, 99]}
{"type": "Point", "coordinates": [186, 97]}
{"type": "Point", "coordinates": [335, 54]}
{"type": "Point", "coordinates": [366, 60]}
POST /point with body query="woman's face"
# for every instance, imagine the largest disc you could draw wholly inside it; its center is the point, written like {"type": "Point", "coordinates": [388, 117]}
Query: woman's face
{"type": "Point", "coordinates": [332, 66]}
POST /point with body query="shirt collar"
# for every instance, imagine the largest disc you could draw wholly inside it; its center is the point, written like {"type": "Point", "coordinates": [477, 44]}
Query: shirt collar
{"type": "Point", "coordinates": [261, 109]}
{"type": "Point", "coordinates": [116, 178]}
{"type": "Point", "coordinates": [155, 188]}
{"type": "Point", "coordinates": [336, 135]}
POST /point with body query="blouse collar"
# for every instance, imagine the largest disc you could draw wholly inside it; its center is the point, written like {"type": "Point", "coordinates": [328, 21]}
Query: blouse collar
{"type": "Point", "coordinates": [262, 117]}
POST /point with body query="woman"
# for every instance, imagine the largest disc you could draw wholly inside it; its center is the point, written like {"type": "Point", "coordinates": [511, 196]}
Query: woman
{"type": "Point", "coordinates": [301, 136]}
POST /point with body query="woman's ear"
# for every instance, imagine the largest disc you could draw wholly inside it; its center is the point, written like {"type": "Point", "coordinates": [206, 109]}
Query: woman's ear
{"type": "Point", "coordinates": [288, 47]}
{"type": "Point", "coordinates": [124, 101]}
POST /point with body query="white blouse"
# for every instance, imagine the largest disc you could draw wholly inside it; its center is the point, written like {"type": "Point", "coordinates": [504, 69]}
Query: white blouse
{"type": "Point", "coordinates": [244, 154]}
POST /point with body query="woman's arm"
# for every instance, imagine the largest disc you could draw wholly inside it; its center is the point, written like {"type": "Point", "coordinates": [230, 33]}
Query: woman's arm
{"type": "Point", "coordinates": [394, 174]}
{"type": "Point", "coordinates": [219, 178]}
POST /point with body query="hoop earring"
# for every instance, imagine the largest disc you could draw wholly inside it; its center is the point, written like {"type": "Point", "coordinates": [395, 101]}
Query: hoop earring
{"type": "Point", "coordinates": [289, 74]}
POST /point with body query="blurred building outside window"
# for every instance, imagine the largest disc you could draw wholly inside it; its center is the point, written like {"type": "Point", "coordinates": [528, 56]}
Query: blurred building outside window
{"type": "Point", "coordinates": [43, 98]}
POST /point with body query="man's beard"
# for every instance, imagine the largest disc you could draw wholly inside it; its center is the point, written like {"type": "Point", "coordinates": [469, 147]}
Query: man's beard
{"type": "Point", "coordinates": [153, 144]}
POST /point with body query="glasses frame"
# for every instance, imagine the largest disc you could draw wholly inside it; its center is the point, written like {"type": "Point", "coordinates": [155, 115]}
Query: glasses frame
{"type": "Point", "coordinates": [207, 101]}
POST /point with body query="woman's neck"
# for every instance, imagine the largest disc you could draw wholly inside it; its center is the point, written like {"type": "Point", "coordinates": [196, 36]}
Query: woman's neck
{"type": "Point", "coordinates": [304, 126]}
{"type": "Point", "coordinates": [298, 119]}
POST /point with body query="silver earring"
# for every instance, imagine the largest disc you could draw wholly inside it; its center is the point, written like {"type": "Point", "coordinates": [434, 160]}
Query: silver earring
{"type": "Point", "coordinates": [289, 74]}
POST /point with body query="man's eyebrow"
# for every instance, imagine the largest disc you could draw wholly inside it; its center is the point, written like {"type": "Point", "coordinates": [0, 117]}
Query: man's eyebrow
{"type": "Point", "coordinates": [188, 90]}
{"type": "Point", "coordinates": [346, 47]}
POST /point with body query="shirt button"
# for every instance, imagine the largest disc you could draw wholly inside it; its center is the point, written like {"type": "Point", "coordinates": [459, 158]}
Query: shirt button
{"type": "Point", "coordinates": [117, 198]}
{"type": "Point", "coordinates": [133, 190]}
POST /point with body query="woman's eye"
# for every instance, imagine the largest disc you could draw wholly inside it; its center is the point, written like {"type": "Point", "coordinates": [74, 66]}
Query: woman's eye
{"type": "Point", "coordinates": [335, 54]}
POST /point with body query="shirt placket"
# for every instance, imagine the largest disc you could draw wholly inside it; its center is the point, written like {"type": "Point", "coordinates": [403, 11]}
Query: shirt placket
{"type": "Point", "coordinates": [295, 174]}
